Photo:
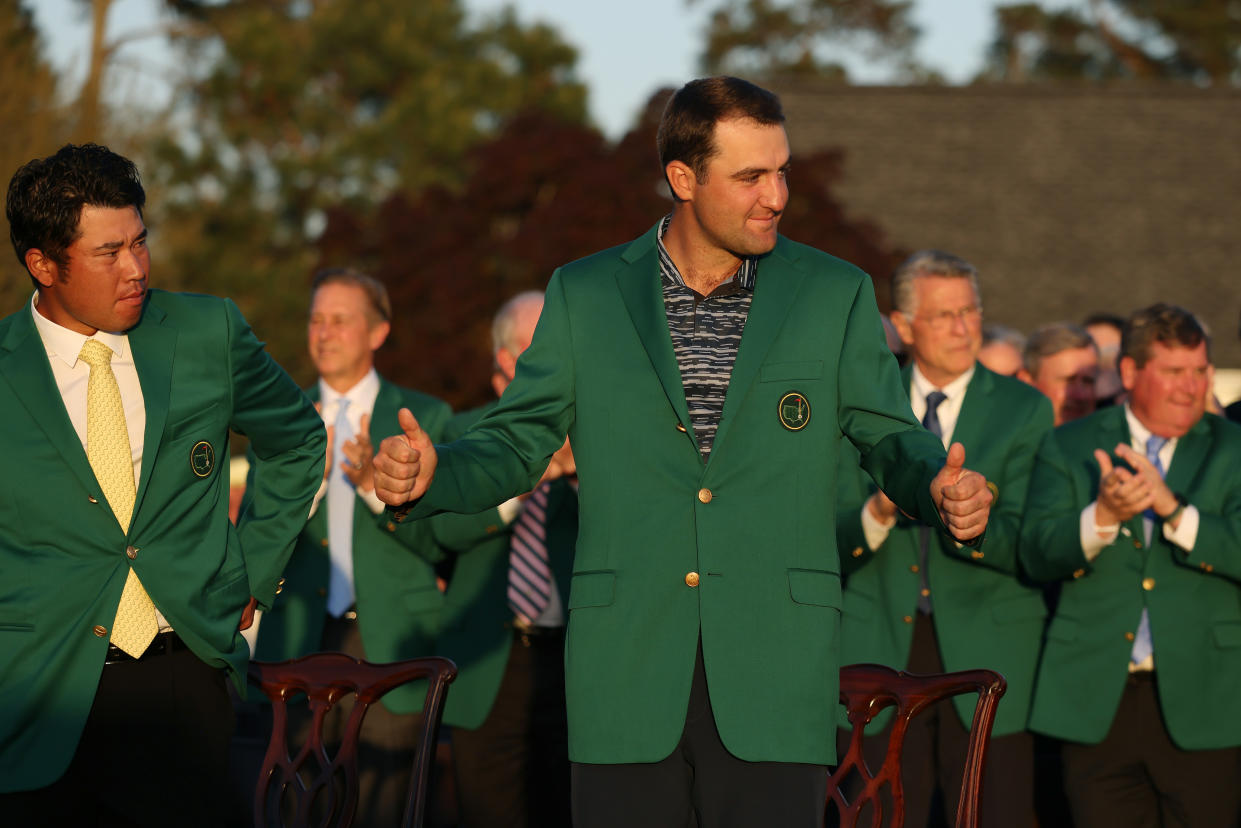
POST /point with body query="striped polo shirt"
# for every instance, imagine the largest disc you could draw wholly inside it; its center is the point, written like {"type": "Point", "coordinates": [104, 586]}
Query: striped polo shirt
{"type": "Point", "coordinates": [706, 332]}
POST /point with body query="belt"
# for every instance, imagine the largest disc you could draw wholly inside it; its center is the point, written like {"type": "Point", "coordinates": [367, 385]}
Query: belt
{"type": "Point", "coordinates": [165, 643]}
{"type": "Point", "coordinates": [527, 632]}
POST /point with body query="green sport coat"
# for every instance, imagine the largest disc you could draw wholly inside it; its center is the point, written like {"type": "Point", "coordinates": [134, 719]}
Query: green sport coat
{"type": "Point", "coordinates": [397, 597]}
{"type": "Point", "coordinates": [1193, 599]}
{"type": "Point", "coordinates": [63, 558]}
{"type": "Point", "coordinates": [986, 614]}
{"type": "Point", "coordinates": [476, 630]}
{"type": "Point", "coordinates": [740, 551]}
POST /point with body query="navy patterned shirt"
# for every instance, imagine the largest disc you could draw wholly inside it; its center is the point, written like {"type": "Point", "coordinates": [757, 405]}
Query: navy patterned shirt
{"type": "Point", "coordinates": [706, 332]}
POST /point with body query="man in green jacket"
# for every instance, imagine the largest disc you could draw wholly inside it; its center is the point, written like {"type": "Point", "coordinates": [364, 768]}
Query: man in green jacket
{"type": "Point", "coordinates": [123, 584]}
{"type": "Point", "coordinates": [914, 599]}
{"type": "Point", "coordinates": [707, 460]}
{"type": "Point", "coordinates": [350, 586]}
{"type": "Point", "coordinates": [1142, 665]}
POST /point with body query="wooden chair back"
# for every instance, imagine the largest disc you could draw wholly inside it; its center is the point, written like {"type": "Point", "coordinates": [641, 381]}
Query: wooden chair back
{"type": "Point", "coordinates": [310, 788]}
{"type": "Point", "coordinates": [865, 690]}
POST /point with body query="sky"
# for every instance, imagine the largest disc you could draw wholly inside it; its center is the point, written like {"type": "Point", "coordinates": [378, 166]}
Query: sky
{"type": "Point", "coordinates": [620, 75]}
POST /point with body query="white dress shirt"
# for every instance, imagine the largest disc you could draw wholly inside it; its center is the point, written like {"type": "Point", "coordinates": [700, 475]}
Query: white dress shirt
{"type": "Point", "coordinates": [361, 401]}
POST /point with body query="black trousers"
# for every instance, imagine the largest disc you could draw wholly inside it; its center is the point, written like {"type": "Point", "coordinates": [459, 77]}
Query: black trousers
{"type": "Point", "coordinates": [153, 752]}
{"type": "Point", "coordinates": [1136, 777]}
{"type": "Point", "coordinates": [933, 761]}
{"type": "Point", "coordinates": [513, 770]}
{"type": "Point", "coordinates": [700, 784]}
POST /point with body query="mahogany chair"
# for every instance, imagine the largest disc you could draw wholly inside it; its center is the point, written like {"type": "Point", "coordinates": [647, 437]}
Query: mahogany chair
{"type": "Point", "coordinates": [865, 690]}
{"type": "Point", "coordinates": [309, 788]}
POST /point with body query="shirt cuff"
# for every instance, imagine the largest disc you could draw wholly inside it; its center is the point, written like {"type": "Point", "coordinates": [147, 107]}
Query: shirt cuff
{"type": "Point", "coordinates": [1186, 532]}
{"type": "Point", "coordinates": [319, 495]}
{"type": "Point", "coordinates": [509, 510]}
{"type": "Point", "coordinates": [875, 531]}
{"type": "Point", "coordinates": [1094, 537]}
{"type": "Point", "coordinates": [372, 501]}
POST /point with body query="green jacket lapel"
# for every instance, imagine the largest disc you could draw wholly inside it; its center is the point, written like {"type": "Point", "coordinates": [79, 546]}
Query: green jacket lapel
{"type": "Point", "coordinates": [976, 408]}
{"type": "Point", "coordinates": [777, 284]}
{"type": "Point", "coordinates": [1191, 451]}
{"type": "Point", "coordinates": [23, 362]}
{"type": "Point", "coordinates": [640, 287]}
{"type": "Point", "coordinates": [153, 345]}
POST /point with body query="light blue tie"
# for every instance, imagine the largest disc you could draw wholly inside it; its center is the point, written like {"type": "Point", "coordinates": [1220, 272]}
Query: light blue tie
{"type": "Point", "coordinates": [1142, 645]}
{"type": "Point", "coordinates": [340, 500]}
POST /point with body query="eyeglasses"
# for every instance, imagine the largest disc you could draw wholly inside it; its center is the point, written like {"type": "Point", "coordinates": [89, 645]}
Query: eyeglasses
{"type": "Point", "coordinates": [944, 320]}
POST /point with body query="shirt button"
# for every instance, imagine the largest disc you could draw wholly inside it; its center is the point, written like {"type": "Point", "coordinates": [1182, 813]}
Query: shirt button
{"type": "Point", "coordinates": [1148, 584]}
{"type": "Point", "coordinates": [323, 543]}
{"type": "Point", "coordinates": [1129, 636]}
{"type": "Point", "coordinates": [909, 619]}
{"type": "Point", "coordinates": [924, 593]}
{"type": "Point", "coordinates": [691, 579]}
{"type": "Point", "coordinates": [391, 527]}
{"type": "Point", "coordinates": [913, 568]}
{"type": "Point", "coordinates": [131, 551]}
{"type": "Point", "coordinates": [100, 631]}
{"type": "Point", "coordinates": [704, 495]}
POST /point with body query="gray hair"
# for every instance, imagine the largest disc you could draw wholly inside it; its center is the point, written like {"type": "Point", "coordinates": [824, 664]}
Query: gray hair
{"type": "Point", "coordinates": [928, 263]}
{"type": "Point", "coordinates": [505, 322]}
{"type": "Point", "coordinates": [1050, 340]}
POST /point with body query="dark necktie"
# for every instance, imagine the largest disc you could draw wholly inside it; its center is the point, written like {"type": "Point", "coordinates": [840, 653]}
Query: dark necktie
{"type": "Point", "coordinates": [930, 421]}
{"type": "Point", "coordinates": [529, 574]}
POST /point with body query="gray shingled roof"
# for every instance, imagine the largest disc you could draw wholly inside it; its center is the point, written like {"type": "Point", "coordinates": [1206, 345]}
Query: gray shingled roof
{"type": "Point", "coordinates": [1069, 199]}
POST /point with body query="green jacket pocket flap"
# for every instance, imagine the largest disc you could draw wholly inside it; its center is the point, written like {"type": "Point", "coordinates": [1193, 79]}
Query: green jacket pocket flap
{"type": "Point", "coordinates": [816, 587]}
{"type": "Point", "coordinates": [776, 371]}
{"type": "Point", "coordinates": [592, 589]}
{"type": "Point", "coordinates": [1228, 634]}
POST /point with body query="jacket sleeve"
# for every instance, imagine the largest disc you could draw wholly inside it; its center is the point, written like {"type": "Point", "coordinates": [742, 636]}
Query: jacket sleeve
{"type": "Point", "coordinates": [287, 443]}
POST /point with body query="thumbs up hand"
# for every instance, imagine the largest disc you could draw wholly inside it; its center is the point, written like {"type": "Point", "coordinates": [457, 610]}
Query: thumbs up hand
{"type": "Point", "coordinates": [405, 464]}
{"type": "Point", "coordinates": [962, 496]}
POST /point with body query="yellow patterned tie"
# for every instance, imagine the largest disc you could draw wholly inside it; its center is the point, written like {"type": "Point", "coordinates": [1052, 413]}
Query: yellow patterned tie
{"type": "Point", "coordinates": [107, 449]}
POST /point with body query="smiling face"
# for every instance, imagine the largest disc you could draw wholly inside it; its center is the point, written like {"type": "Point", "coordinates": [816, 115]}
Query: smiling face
{"type": "Point", "coordinates": [103, 283]}
{"type": "Point", "coordinates": [1168, 393]}
{"type": "Point", "coordinates": [945, 332]}
{"type": "Point", "coordinates": [342, 334]}
{"type": "Point", "coordinates": [737, 204]}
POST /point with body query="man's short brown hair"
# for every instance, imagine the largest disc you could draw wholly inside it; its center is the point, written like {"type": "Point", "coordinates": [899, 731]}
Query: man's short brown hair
{"type": "Point", "coordinates": [1169, 325]}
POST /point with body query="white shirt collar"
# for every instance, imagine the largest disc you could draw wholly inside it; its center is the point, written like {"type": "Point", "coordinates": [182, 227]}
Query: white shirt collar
{"type": "Point", "coordinates": [361, 396]}
{"type": "Point", "coordinates": [65, 345]}
{"type": "Point", "coordinates": [1139, 435]}
{"type": "Point", "coordinates": [954, 390]}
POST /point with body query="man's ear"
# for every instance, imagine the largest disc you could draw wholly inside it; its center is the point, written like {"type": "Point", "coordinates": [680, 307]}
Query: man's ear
{"type": "Point", "coordinates": [506, 361]}
{"type": "Point", "coordinates": [681, 179]}
{"type": "Point", "coordinates": [903, 329]}
{"type": "Point", "coordinates": [1128, 372]}
{"type": "Point", "coordinates": [41, 267]}
{"type": "Point", "coordinates": [378, 334]}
